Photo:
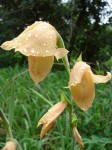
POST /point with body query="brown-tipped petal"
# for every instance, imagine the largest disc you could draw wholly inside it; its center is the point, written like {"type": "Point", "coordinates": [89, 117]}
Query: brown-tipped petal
{"type": "Point", "coordinates": [84, 92]}
{"type": "Point", "coordinates": [10, 146]}
{"type": "Point", "coordinates": [60, 53]}
{"type": "Point", "coordinates": [101, 78]}
{"type": "Point", "coordinates": [78, 137]}
{"type": "Point", "coordinates": [39, 67]}
{"type": "Point", "coordinates": [77, 73]}
{"type": "Point", "coordinates": [50, 117]}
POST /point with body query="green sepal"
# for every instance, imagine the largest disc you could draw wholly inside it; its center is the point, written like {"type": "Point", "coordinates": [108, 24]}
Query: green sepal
{"type": "Point", "coordinates": [74, 120]}
{"type": "Point", "coordinates": [64, 98]}
{"type": "Point", "coordinates": [80, 57]}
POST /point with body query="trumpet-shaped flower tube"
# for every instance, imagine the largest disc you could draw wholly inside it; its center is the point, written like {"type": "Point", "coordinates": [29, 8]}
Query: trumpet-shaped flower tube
{"type": "Point", "coordinates": [50, 117]}
{"type": "Point", "coordinates": [38, 42]}
{"type": "Point", "coordinates": [10, 146]}
{"type": "Point", "coordinates": [81, 84]}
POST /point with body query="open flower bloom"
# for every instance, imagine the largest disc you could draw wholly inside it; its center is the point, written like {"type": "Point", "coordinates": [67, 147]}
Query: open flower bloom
{"type": "Point", "coordinates": [82, 86]}
{"type": "Point", "coordinates": [10, 146]}
{"type": "Point", "coordinates": [78, 137]}
{"type": "Point", "coordinates": [38, 42]}
{"type": "Point", "coordinates": [50, 117]}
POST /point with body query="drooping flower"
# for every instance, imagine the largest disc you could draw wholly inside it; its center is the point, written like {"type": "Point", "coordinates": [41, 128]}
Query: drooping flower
{"type": "Point", "coordinates": [81, 84]}
{"type": "Point", "coordinates": [78, 137]}
{"type": "Point", "coordinates": [10, 146]}
{"type": "Point", "coordinates": [38, 42]}
{"type": "Point", "coordinates": [50, 117]}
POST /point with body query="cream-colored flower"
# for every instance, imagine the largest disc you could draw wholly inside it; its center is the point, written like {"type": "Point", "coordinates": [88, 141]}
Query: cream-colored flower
{"type": "Point", "coordinates": [38, 42]}
{"type": "Point", "coordinates": [10, 146]}
{"type": "Point", "coordinates": [78, 137]}
{"type": "Point", "coordinates": [81, 84]}
{"type": "Point", "coordinates": [50, 117]}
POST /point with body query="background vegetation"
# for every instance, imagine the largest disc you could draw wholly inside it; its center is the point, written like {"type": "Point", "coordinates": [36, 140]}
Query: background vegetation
{"type": "Point", "coordinates": [81, 25]}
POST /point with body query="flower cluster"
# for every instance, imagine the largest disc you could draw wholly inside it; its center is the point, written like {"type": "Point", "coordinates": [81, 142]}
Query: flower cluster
{"type": "Point", "coordinates": [39, 43]}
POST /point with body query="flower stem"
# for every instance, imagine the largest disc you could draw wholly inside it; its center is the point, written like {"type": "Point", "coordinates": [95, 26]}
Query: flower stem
{"type": "Point", "coordinates": [61, 44]}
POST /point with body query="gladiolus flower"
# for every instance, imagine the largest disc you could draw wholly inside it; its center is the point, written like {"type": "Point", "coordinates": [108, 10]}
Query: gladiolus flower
{"type": "Point", "coordinates": [38, 42]}
{"type": "Point", "coordinates": [10, 146]}
{"type": "Point", "coordinates": [78, 137]}
{"type": "Point", "coordinates": [50, 117]}
{"type": "Point", "coordinates": [81, 84]}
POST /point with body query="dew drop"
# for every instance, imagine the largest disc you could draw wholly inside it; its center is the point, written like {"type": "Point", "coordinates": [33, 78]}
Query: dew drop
{"type": "Point", "coordinates": [25, 50]}
{"type": "Point", "coordinates": [36, 35]}
{"type": "Point", "coordinates": [14, 46]}
{"type": "Point", "coordinates": [50, 37]}
{"type": "Point", "coordinates": [33, 50]}
{"type": "Point", "coordinates": [29, 34]}
{"type": "Point", "coordinates": [44, 44]}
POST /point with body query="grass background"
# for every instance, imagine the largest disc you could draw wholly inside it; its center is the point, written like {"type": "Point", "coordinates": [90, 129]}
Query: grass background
{"type": "Point", "coordinates": [32, 101]}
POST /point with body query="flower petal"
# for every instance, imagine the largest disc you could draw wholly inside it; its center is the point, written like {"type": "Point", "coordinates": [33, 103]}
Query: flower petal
{"type": "Point", "coordinates": [77, 73]}
{"type": "Point", "coordinates": [60, 53]}
{"type": "Point", "coordinates": [101, 78]}
{"type": "Point", "coordinates": [39, 39]}
{"type": "Point", "coordinates": [39, 67]}
{"type": "Point", "coordinates": [50, 117]}
{"type": "Point", "coordinates": [10, 146]}
{"type": "Point", "coordinates": [78, 137]}
{"type": "Point", "coordinates": [84, 92]}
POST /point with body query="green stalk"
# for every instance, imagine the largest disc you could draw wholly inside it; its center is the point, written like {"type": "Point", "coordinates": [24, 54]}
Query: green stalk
{"type": "Point", "coordinates": [61, 44]}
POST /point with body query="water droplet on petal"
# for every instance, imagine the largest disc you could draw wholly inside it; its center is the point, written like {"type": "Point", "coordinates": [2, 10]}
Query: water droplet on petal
{"type": "Point", "coordinates": [29, 34]}
{"type": "Point", "coordinates": [36, 35]}
{"type": "Point", "coordinates": [44, 44]}
{"type": "Point", "coordinates": [25, 50]}
{"type": "Point", "coordinates": [50, 37]}
{"type": "Point", "coordinates": [33, 50]}
{"type": "Point", "coordinates": [14, 46]}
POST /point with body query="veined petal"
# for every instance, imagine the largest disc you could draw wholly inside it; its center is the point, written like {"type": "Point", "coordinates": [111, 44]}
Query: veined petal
{"type": "Point", "coordinates": [101, 78]}
{"type": "Point", "coordinates": [50, 117]}
{"type": "Point", "coordinates": [78, 137]}
{"type": "Point", "coordinates": [77, 73]}
{"type": "Point", "coordinates": [39, 67]}
{"type": "Point", "coordinates": [84, 92]}
{"type": "Point", "coordinates": [60, 53]}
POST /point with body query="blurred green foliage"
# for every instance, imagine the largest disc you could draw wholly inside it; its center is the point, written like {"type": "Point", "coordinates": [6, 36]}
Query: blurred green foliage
{"type": "Point", "coordinates": [79, 23]}
{"type": "Point", "coordinates": [94, 125]}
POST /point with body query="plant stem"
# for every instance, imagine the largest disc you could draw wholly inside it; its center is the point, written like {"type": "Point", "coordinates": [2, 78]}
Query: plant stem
{"type": "Point", "coordinates": [60, 44]}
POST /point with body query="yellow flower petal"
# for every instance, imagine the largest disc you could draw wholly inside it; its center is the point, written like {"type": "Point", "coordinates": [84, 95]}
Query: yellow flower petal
{"type": "Point", "coordinates": [78, 137]}
{"type": "Point", "coordinates": [101, 78]}
{"type": "Point", "coordinates": [39, 67]}
{"type": "Point", "coordinates": [10, 146]}
{"type": "Point", "coordinates": [50, 117]}
{"type": "Point", "coordinates": [84, 92]}
{"type": "Point", "coordinates": [39, 39]}
{"type": "Point", "coordinates": [60, 53]}
{"type": "Point", "coordinates": [77, 73]}
{"type": "Point", "coordinates": [81, 84]}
